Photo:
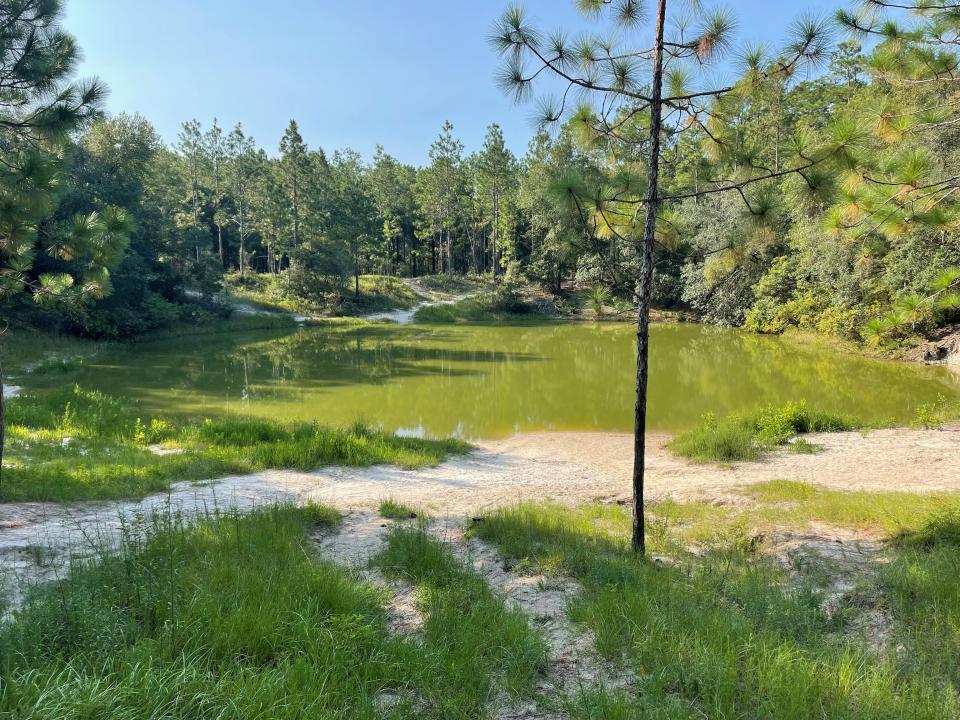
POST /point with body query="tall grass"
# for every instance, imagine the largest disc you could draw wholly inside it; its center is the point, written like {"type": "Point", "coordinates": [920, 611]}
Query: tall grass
{"type": "Point", "coordinates": [238, 617]}
{"type": "Point", "coordinates": [481, 648]}
{"type": "Point", "coordinates": [720, 635]}
{"type": "Point", "coordinates": [921, 584]}
{"type": "Point", "coordinates": [75, 444]}
{"type": "Point", "coordinates": [749, 436]}
{"type": "Point", "coordinates": [234, 617]}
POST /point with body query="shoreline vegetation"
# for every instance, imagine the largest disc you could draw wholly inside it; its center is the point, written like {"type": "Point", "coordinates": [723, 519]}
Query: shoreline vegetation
{"type": "Point", "coordinates": [72, 445]}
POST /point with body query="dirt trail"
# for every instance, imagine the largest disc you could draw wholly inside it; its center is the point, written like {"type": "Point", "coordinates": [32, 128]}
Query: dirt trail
{"type": "Point", "coordinates": [433, 297]}
{"type": "Point", "coordinates": [564, 467]}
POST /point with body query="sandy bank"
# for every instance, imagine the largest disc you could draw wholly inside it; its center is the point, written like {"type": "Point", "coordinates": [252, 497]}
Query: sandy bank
{"type": "Point", "coordinates": [565, 467]}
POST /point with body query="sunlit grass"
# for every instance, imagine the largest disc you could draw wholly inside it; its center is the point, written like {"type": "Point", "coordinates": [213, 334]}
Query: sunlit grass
{"type": "Point", "coordinates": [71, 444]}
{"type": "Point", "coordinates": [726, 633]}
{"type": "Point", "coordinates": [749, 436]}
{"type": "Point", "coordinates": [483, 648]}
{"type": "Point", "coordinates": [396, 510]}
{"type": "Point", "coordinates": [237, 616]}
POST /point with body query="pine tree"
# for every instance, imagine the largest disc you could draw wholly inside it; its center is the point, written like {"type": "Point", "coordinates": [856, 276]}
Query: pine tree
{"type": "Point", "coordinates": [216, 153]}
{"type": "Point", "coordinates": [498, 182]}
{"type": "Point", "coordinates": [637, 103]}
{"type": "Point", "coordinates": [39, 108]}
{"type": "Point", "coordinates": [242, 164]}
{"type": "Point", "coordinates": [294, 173]}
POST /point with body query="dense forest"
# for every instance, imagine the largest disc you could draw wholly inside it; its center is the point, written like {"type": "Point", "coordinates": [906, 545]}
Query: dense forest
{"type": "Point", "coordinates": [98, 208]}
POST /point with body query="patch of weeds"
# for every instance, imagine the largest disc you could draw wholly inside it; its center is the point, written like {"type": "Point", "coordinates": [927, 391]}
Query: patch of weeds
{"type": "Point", "coordinates": [934, 415]}
{"type": "Point", "coordinates": [750, 436]}
{"type": "Point", "coordinates": [393, 510]}
{"type": "Point", "coordinates": [800, 446]}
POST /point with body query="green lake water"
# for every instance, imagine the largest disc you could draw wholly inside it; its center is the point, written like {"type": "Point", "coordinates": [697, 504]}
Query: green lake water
{"type": "Point", "coordinates": [491, 381]}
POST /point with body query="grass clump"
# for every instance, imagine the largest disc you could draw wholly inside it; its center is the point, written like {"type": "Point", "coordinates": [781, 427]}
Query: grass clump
{"type": "Point", "coordinates": [750, 436]}
{"type": "Point", "coordinates": [394, 510]}
{"type": "Point", "coordinates": [722, 634]}
{"type": "Point", "coordinates": [479, 647]}
{"type": "Point", "coordinates": [73, 444]}
{"type": "Point", "coordinates": [455, 284]}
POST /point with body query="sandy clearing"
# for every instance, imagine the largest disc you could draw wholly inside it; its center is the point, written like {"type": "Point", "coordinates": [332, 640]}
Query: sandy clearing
{"type": "Point", "coordinates": [565, 467]}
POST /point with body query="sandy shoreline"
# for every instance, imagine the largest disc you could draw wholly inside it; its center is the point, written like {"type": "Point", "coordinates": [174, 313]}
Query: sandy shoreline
{"type": "Point", "coordinates": [563, 467]}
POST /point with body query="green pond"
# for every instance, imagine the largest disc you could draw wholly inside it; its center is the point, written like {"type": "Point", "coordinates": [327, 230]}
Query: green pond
{"type": "Point", "coordinates": [491, 381]}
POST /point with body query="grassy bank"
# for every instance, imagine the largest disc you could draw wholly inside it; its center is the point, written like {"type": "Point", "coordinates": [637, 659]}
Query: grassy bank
{"type": "Point", "coordinates": [750, 436]}
{"type": "Point", "coordinates": [239, 617]}
{"type": "Point", "coordinates": [73, 444]}
{"type": "Point", "coordinates": [272, 293]}
{"type": "Point", "coordinates": [729, 632]}
{"type": "Point", "coordinates": [482, 308]}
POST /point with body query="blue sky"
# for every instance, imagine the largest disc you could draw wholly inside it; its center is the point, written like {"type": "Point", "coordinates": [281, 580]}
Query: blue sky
{"type": "Point", "coordinates": [353, 73]}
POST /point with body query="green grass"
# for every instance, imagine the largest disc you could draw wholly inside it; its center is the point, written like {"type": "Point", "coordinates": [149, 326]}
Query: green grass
{"type": "Point", "coordinates": [270, 292]}
{"type": "Point", "coordinates": [394, 510]}
{"type": "Point", "coordinates": [778, 504]}
{"type": "Point", "coordinates": [476, 309]}
{"type": "Point", "coordinates": [453, 284]}
{"type": "Point", "coordinates": [726, 633]}
{"type": "Point", "coordinates": [750, 436]}
{"type": "Point", "coordinates": [481, 647]}
{"type": "Point", "coordinates": [236, 616]}
{"type": "Point", "coordinates": [72, 444]}
{"type": "Point", "coordinates": [384, 292]}
{"type": "Point", "coordinates": [921, 587]}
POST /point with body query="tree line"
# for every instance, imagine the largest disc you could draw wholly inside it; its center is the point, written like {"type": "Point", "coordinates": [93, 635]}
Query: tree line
{"type": "Point", "coordinates": [816, 190]}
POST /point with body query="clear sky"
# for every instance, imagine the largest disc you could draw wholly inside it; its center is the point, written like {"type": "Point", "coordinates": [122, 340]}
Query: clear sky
{"type": "Point", "coordinates": [353, 73]}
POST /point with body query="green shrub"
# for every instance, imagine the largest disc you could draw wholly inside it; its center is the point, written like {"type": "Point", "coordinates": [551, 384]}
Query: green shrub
{"type": "Point", "coordinates": [747, 437]}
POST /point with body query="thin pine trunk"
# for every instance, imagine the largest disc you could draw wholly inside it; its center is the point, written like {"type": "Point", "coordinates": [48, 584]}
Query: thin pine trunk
{"type": "Point", "coordinates": [646, 285]}
{"type": "Point", "coordinates": [3, 424]}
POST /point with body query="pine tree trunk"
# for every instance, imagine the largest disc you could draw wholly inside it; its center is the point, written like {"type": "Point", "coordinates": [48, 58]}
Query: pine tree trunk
{"type": "Point", "coordinates": [220, 243]}
{"type": "Point", "coordinates": [449, 254]}
{"type": "Point", "coordinates": [3, 424]}
{"type": "Point", "coordinates": [496, 235]}
{"type": "Point", "coordinates": [646, 285]}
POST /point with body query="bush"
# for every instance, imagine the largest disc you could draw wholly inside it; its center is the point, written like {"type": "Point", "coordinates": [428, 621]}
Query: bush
{"type": "Point", "coordinates": [747, 437]}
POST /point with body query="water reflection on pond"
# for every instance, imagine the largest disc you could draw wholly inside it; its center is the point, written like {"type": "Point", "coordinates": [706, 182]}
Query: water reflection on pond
{"type": "Point", "coordinates": [484, 381]}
